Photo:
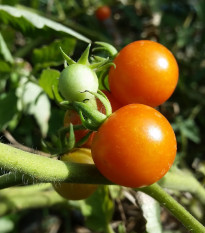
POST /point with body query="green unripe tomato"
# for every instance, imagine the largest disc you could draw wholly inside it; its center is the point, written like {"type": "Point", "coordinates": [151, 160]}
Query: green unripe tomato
{"type": "Point", "coordinates": [75, 79]}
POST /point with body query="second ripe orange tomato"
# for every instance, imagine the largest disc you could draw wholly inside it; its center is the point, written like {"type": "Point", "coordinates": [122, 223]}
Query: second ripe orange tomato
{"type": "Point", "coordinates": [135, 146]}
{"type": "Point", "coordinates": [146, 72]}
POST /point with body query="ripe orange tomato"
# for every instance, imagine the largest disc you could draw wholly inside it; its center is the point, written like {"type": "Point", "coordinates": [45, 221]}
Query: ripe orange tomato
{"type": "Point", "coordinates": [73, 191]}
{"type": "Point", "coordinates": [146, 72]}
{"type": "Point", "coordinates": [103, 13]}
{"type": "Point", "coordinates": [72, 116]}
{"type": "Point", "coordinates": [135, 146]}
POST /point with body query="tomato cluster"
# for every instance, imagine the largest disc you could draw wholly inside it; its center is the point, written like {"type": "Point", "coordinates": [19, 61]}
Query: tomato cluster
{"type": "Point", "coordinates": [135, 146]}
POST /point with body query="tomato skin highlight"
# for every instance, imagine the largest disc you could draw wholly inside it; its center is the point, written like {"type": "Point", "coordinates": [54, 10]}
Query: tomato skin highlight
{"type": "Point", "coordinates": [72, 191]}
{"type": "Point", "coordinates": [103, 13]}
{"type": "Point", "coordinates": [146, 72]}
{"type": "Point", "coordinates": [135, 146]}
{"type": "Point", "coordinates": [72, 116]}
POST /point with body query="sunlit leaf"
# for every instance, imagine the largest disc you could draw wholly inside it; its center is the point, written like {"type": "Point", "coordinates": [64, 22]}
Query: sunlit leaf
{"type": "Point", "coordinates": [49, 82]}
{"type": "Point", "coordinates": [27, 20]}
{"type": "Point", "coordinates": [4, 50]}
{"type": "Point", "coordinates": [8, 109]}
{"type": "Point", "coordinates": [151, 212]}
{"type": "Point", "coordinates": [98, 210]}
{"type": "Point", "coordinates": [32, 100]}
{"type": "Point", "coordinates": [6, 225]}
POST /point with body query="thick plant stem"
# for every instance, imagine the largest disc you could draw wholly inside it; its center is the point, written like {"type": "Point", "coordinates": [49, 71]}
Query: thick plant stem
{"type": "Point", "coordinates": [43, 169]}
{"type": "Point", "coordinates": [174, 207]}
{"type": "Point", "coordinates": [35, 168]}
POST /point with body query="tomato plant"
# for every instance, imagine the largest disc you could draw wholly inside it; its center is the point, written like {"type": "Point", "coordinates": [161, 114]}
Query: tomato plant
{"type": "Point", "coordinates": [135, 146]}
{"type": "Point", "coordinates": [146, 72]}
{"type": "Point", "coordinates": [76, 191]}
{"type": "Point", "coordinates": [75, 80]}
{"type": "Point", "coordinates": [71, 116]}
{"type": "Point", "coordinates": [103, 13]}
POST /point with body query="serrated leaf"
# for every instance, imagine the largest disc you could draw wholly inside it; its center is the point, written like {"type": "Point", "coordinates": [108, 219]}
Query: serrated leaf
{"type": "Point", "coordinates": [49, 80]}
{"type": "Point", "coordinates": [32, 100]}
{"type": "Point", "coordinates": [8, 109]}
{"type": "Point", "coordinates": [98, 210]}
{"type": "Point", "coordinates": [151, 212]}
{"type": "Point", "coordinates": [4, 50]}
{"type": "Point", "coordinates": [50, 55]}
{"type": "Point", "coordinates": [27, 20]}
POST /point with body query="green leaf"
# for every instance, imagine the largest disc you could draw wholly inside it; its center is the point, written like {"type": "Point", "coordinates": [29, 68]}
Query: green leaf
{"type": "Point", "coordinates": [4, 50]}
{"type": "Point", "coordinates": [151, 212]}
{"type": "Point", "coordinates": [8, 109]}
{"type": "Point", "coordinates": [98, 210]}
{"type": "Point", "coordinates": [6, 225]}
{"type": "Point", "coordinates": [29, 21]}
{"type": "Point", "coordinates": [48, 81]}
{"type": "Point", "coordinates": [33, 101]}
{"type": "Point", "coordinates": [4, 67]}
{"type": "Point", "coordinates": [115, 191]}
{"type": "Point", "coordinates": [188, 128]}
{"type": "Point", "coordinates": [50, 55]}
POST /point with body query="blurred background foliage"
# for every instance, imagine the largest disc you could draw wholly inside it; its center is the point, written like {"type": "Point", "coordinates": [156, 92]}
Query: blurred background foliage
{"type": "Point", "coordinates": [29, 53]}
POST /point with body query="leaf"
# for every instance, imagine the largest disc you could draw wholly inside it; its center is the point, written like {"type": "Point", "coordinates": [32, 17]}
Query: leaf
{"type": "Point", "coordinates": [50, 55]}
{"type": "Point", "coordinates": [4, 67]}
{"type": "Point", "coordinates": [8, 109]}
{"type": "Point", "coordinates": [151, 212]}
{"type": "Point", "coordinates": [4, 50]}
{"type": "Point", "coordinates": [32, 100]}
{"type": "Point", "coordinates": [26, 20]}
{"type": "Point", "coordinates": [49, 80]}
{"type": "Point", "coordinates": [6, 225]}
{"type": "Point", "coordinates": [115, 191]}
{"type": "Point", "coordinates": [98, 210]}
{"type": "Point", "coordinates": [188, 128]}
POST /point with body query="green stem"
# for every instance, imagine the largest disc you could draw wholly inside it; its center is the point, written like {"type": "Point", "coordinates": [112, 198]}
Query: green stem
{"type": "Point", "coordinates": [174, 207]}
{"type": "Point", "coordinates": [183, 181]}
{"type": "Point", "coordinates": [28, 47]}
{"type": "Point", "coordinates": [45, 169]}
{"type": "Point", "coordinates": [109, 229]}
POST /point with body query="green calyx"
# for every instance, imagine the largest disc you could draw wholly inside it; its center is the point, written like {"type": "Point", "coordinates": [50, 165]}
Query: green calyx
{"type": "Point", "coordinates": [97, 63]}
{"type": "Point", "coordinates": [91, 118]}
{"type": "Point", "coordinates": [78, 86]}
